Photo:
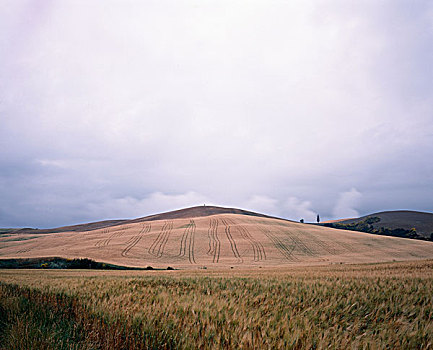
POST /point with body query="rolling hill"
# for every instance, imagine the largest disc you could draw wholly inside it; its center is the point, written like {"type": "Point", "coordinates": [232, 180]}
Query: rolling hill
{"type": "Point", "coordinates": [198, 211]}
{"type": "Point", "coordinates": [211, 237]}
{"type": "Point", "coordinates": [399, 219]}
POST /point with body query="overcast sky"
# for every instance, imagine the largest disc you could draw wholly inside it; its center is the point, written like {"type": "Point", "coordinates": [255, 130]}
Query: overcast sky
{"type": "Point", "coordinates": [120, 109]}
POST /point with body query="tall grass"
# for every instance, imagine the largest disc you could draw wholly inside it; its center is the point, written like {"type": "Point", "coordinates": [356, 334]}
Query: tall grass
{"type": "Point", "coordinates": [368, 306]}
{"type": "Point", "coordinates": [31, 319]}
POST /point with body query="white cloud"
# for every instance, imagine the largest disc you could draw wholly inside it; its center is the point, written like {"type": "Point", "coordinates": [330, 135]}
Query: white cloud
{"type": "Point", "coordinates": [291, 208]}
{"type": "Point", "coordinates": [157, 202]}
{"type": "Point", "coordinates": [281, 99]}
{"type": "Point", "coordinates": [296, 209]}
{"type": "Point", "coordinates": [347, 203]}
{"type": "Point", "coordinates": [263, 204]}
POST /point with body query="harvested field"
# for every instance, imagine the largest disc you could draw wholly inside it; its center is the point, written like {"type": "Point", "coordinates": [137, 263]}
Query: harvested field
{"type": "Point", "coordinates": [215, 241]}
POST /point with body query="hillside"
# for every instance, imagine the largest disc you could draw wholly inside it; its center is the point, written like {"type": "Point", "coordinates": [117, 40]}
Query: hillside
{"type": "Point", "coordinates": [398, 219]}
{"type": "Point", "coordinates": [212, 237]}
{"type": "Point", "coordinates": [198, 211]}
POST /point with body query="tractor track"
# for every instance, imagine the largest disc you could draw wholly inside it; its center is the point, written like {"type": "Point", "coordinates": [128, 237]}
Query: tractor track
{"type": "Point", "coordinates": [279, 244]}
{"type": "Point", "coordinates": [23, 251]}
{"type": "Point", "coordinates": [322, 244]}
{"type": "Point", "coordinates": [158, 239]}
{"type": "Point", "coordinates": [133, 241]}
{"type": "Point", "coordinates": [188, 242]}
{"type": "Point", "coordinates": [347, 246]}
{"type": "Point", "coordinates": [191, 257]}
{"type": "Point", "coordinates": [182, 250]}
{"type": "Point", "coordinates": [115, 234]}
{"type": "Point", "coordinates": [158, 246]}
{"type": "Point", "coordinates": [211, 249]}
{"type": "Point", "coordinates": [165, 240]}
{"type": "Point", "coordinates": [214, 242]}
{"type": "Point", "coordinates": [299, 243]}
{"type": "Point", "coordinates": [101, 242]}
{"type": "Point", "coordinates": [232, 241]}
{"type": "Point", "coordinates": [258, 249]}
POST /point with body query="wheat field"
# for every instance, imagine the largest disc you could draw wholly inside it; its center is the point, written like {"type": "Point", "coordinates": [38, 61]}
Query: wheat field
{"type": "Point", "coordinates": [360, 306]}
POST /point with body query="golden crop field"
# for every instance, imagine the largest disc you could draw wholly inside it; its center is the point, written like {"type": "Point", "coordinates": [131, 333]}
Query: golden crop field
{"type": "Point", "coordinates": [340, 306]}
{"type": "Point", "coordinates": [214, 242]}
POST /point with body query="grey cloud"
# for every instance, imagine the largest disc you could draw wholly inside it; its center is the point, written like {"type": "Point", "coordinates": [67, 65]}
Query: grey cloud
{"type": "Point", "coordinates": [347, 203]}
{"type": "Point", "coordinates": [249, 106]}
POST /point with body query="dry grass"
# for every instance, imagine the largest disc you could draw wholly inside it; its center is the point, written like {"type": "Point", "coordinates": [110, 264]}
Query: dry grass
{"type": "Point", "coordinates": [362, 306]}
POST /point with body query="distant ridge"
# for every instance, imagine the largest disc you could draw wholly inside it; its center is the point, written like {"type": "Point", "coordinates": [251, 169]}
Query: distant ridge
{"type": "Point", "coordinates": [406, 219]}
{"type": "Point", "coordinates": [198, 211]}
{"type": "Point", "coordinates": [73, 228]}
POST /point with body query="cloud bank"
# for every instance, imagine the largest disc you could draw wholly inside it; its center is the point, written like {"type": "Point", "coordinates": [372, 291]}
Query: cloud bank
{"type": "Point", "coordinates": [346, 204]}
{"type": "Point", "coordinates": [113, 109]}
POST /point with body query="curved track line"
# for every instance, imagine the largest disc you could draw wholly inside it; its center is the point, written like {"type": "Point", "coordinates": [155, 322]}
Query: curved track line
{"type": "Point", "coordinates": [214, 242]}
{"type": "Point", "coordinates": [258, 249]}
{"type": "Point", "coordinates": [279, 244]}
{"type": "Point", "coordinates": [211, 238]}
{"type": "Point", "coordinates": [188, 242]}
{"type": "Point", "coordinates": [300, 244]}
{"type": "Point", "coordinates": [115, 234]}
{"type": "Point", "coordinates": [349, 247]}
{"type": "Point", "coordinates": [103, 241]}
{"type": "Point", "coordinates": [135, 239]}
{"type": "Point", "coordinates": [232, 241]}
{"type": "Point", "coordinates": [217, 243]}
{"type": "Point", "coordinates": [165, 239]}
{"type": "Point", "coordinates": [182, 250]}
{"type": "Point", "coordinates": [216, 256]}
{"type": "Point", "coordinates": [324, 245]}
{"type": "Point", "coordinates": [191, 257]}
{"type": "Point", "coordinates": [158, 246]}
{"type": "Point", "coordinates": [158, 238]}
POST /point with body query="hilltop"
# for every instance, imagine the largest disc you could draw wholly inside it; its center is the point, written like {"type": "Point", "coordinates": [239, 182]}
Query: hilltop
{"type": "Point", "coordinates": [198, 211]}
{"type": "Point", "coordinates": [210, 237]}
